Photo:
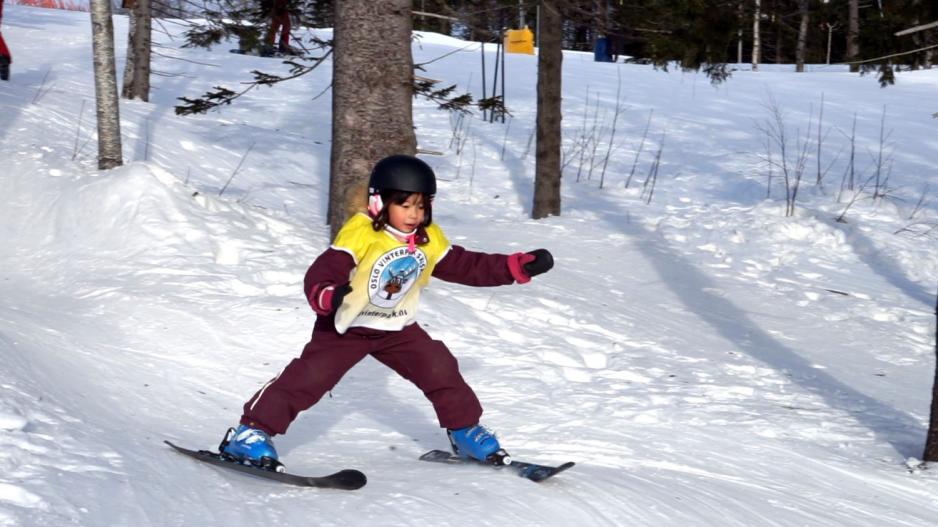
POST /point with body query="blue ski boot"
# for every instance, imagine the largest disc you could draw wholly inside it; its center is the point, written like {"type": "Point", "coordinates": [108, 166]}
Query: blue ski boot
{"type": "Point", "coordinates": [251, 447]}
{"type": "Point", "coordinates": [478, 443]}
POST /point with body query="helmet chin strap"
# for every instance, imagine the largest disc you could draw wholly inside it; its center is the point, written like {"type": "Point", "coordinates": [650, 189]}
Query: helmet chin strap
{"type": "Point", "coordinates": [409, 237]}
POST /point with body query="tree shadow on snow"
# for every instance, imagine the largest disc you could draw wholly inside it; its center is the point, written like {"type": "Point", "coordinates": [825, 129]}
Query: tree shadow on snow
{"type": "Point", "coordinates": [883, 264]}
{"type": "Point", "coordinates": [692, 287]}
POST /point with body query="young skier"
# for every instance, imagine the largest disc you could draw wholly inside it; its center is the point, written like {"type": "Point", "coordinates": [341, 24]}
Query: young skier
{"type": "Point", "coordinates": [364, 290]}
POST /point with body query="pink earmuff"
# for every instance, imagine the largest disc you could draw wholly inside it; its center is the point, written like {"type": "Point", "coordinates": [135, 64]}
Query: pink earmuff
{"type": "Point", "coordinates": [375, 205]}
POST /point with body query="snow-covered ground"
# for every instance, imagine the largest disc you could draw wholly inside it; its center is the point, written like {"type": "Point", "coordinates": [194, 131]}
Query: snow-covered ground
{"type": "Point", "coordinates": [704, 359]}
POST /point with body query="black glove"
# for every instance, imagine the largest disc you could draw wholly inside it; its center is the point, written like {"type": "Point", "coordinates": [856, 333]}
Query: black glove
{"type": "Point", "coordinates": [339, 294]}
{"type": "Point", "coordinates": [542, 262]}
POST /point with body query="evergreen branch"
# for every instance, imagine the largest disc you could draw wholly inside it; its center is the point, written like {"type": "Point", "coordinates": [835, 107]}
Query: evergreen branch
{"type": "Point", "coordinates": [496, 105]}
{"type": "Point", "coordinates": [265, 79]}
{"type": "Point", "coordinates": [222, 96]}
{"type": "Point", "coordinates": [424, 87]}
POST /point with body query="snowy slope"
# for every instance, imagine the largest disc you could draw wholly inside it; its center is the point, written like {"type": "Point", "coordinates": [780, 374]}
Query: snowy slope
{"type": "Point", "coordinates": [703, 359]}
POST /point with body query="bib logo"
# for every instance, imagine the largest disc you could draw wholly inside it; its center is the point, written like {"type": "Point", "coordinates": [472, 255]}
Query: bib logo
{"type": "Point", "coordinates": [393, 274]}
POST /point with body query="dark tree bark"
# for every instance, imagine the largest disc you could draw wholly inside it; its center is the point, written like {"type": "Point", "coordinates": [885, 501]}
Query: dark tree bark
{"type": "Point", "coordinates": [853, 34]}
{"type": "Point", "coordinates": [372, 94]}
{"type": "Point", "coordinates": [931, 441]}
{"type": "Point", "coordinates": [802, 45]}
{"type": "Point", "coordinates": [779, 38]}
{"type": "Point", "coordinates": [137, 67]}
{"type": "Point", "coordinates": [549, 61]}
{"type": "Point", "coordinates": [127, 87]}
{"type": "Point", "coordinates": [105, 83]}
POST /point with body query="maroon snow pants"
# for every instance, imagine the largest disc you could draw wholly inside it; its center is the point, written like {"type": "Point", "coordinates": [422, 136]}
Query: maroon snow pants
{"type": "Point", "coordinates": [328, 356]}
{"type": "Point", "coordinates": [279, 23]}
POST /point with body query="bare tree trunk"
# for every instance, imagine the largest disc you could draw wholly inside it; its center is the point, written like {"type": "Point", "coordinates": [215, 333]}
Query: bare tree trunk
{"type": "Point", "coordinates": [142, 46]}
{"type": "Point", "coordinates": [105, 81]}
{"type": "Point", "coordinates": [547, 172]}
{"type": "Point", "coordinates": [756, 36]}
{"type": "Point", "coordinates": [931, 441]}
{"type": "Point", "coordinates": [137, 68]}
{"type": "Point", "coordinates": [128, 83]}
{"type": "Point", "coordinates": [853, 34]}
{"type": "Point", "coordinates": [802, 35]}
{"type": "Point", "coordinates": [779, 38]}
{"type": "Point", "coordinates": [739, 34]}
{"type": "Point", "coordinates": [372, 94]}
{"type": "Point", "coordinates": [601, 19]}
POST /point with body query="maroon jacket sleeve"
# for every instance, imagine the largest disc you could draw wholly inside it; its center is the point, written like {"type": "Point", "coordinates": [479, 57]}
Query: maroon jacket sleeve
{"type": "Point", "coordinates": [331, 268]}
{"type": "Point", "coordinates": [473, 268]}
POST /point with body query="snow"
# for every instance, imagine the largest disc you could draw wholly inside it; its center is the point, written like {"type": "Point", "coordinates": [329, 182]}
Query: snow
{"type": "Point", "coordinates": [703, 358]}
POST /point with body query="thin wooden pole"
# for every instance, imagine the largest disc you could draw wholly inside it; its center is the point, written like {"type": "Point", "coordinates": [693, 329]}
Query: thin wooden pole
{"type": "Point", "coordinates": [484, 96]}
{"type": "Point", "coordinates": [502, 40]}
{"type": "Point", "coordinates": [495, 79]}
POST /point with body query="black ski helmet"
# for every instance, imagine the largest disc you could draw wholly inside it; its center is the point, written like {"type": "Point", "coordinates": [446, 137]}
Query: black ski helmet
{"type": "Point", "coordinates": [400, 172]}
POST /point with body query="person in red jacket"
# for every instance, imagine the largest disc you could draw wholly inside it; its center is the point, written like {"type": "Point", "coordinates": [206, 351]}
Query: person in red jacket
{"type": "Point", "coordinates": [279, 22]}
{"type": "Point", "coordinates": [5, 57]}
{"type": "Point", "coordinates": [364, 290]}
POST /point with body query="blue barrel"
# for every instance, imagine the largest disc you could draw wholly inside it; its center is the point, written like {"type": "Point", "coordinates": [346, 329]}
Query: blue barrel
{"type": "Point", "coordinates": [601, 52]}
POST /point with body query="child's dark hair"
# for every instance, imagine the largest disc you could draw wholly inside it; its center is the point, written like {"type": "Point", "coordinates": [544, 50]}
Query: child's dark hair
{"type": "Point", "coordinates": [398, 197]}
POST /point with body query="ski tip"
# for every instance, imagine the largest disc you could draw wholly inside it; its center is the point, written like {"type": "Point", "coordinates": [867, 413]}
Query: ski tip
{"type": "Point", "coordinates": [539, 476]}
{"type": "Point", "coordinates": [350, 479]}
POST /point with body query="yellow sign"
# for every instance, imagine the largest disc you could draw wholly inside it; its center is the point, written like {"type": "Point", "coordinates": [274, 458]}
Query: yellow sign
{"type": "Point", "coordinates": [519, 41]}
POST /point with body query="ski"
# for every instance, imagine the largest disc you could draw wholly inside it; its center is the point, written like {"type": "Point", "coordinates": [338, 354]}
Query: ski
{"type": "Point", "coordinates": [270, 55]}
{"type": "Point", "coordinates": [342, 480]}
{"type": "Point", "coordinates": [531, 471]}
{"type": "Point", "coordinates": [255, 53]}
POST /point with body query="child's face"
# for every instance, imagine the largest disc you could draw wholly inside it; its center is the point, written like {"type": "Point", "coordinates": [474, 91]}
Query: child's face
{"type": "Point", "coordinates": [408, 215]}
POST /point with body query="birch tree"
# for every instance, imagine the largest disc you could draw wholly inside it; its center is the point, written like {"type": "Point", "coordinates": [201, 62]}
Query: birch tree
{"type": "Point", "coordinates": [371, 97]}
{"type": "Point", "coordinates": [137, 67]}
{"type": "Point", "coordinates": [739, 34]}
{"type": "Point", "coordinates": [756, 35]}
{"type": "Point", "coordinates": [105, 84]}
{"type": "Point", "coordinates": [547, 172]}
